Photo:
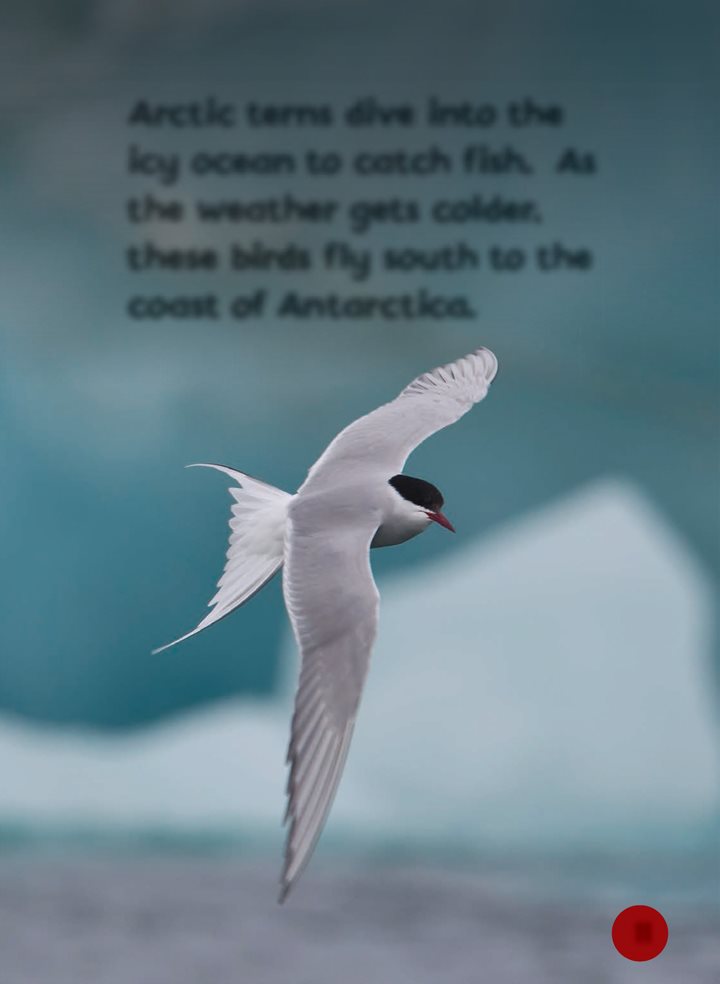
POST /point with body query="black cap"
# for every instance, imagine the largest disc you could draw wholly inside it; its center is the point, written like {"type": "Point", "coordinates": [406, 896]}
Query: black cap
{"type": "Point", "coordinates": [419, 491]}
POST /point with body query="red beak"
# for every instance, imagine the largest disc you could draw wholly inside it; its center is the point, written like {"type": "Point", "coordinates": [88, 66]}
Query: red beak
{"type": "Point", "coordinates": [437, 517]}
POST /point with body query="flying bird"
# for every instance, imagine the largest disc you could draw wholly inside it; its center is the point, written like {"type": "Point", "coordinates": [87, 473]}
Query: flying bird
{"type": "Point", "coordinates": [355, 497]}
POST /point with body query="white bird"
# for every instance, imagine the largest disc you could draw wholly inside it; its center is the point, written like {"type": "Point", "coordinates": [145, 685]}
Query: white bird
{"type": "Point", "coordinates": [354, 497]}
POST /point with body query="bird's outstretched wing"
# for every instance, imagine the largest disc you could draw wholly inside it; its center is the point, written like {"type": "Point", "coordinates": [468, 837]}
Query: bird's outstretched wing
{"type": "Point", "coordinates": [384, 438]}
{"type": "Point", "coordinates": [328, 585]}
{"type": "Point", "coordinates": [332, 601]}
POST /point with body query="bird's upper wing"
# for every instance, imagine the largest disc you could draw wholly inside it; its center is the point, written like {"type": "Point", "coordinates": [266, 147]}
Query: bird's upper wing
{"type": "Point", "coordinates": [384, 438]}
{"type": "Point", "coordinates": [332, 601]}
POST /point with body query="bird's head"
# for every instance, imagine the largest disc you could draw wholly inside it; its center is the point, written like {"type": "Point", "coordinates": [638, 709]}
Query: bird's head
{"type": "Point", "coordinates": [423, 499]}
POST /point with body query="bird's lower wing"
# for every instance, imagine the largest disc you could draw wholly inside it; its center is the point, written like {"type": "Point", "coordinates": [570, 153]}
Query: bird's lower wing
{"type": "Point", "coordinates": [332, 601]}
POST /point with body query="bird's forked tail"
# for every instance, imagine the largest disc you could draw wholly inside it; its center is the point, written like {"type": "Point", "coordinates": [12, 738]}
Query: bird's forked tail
{"type": "Point", "coordinates": [255, 552]}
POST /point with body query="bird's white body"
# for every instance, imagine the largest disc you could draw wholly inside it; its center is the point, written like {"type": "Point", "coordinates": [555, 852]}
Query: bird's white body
{"type": "Point", "coordinates": [401, 521]}
{"type": "Point", "coordinates": [354, 497]}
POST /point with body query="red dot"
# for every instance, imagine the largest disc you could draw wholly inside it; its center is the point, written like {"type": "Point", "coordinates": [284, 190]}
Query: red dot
{"type": "Point", "coordinates": [640, 933]}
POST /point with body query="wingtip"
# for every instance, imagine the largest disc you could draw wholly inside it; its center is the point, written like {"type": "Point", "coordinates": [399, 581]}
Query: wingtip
{"type": "Point", "coordinates": [285, 887]}
{"type": "Point", "coordinates": [490, 362]}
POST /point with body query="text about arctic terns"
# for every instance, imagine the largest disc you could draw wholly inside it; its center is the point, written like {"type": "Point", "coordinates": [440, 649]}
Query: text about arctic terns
{"type": "Point", "coordinates": [372, 210]}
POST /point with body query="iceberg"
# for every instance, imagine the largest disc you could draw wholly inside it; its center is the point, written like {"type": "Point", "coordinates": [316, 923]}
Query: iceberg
{"type": "Point", "coordinates": [547, 686]}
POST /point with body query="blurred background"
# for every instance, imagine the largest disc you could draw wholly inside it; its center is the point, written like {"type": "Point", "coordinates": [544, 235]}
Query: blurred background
{"type": "Point", "coordinates": [538, 743]}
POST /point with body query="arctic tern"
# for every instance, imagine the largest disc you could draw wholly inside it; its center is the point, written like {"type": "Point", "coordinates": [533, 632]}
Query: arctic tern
{"type": "Point", "coordinates": [355, 497]}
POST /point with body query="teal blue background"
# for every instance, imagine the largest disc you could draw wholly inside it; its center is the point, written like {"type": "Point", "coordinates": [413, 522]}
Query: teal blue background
{"type": "Point", "coordinates": [109, 547]}
{"type": "Point", "coordinates": [537, 747]}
